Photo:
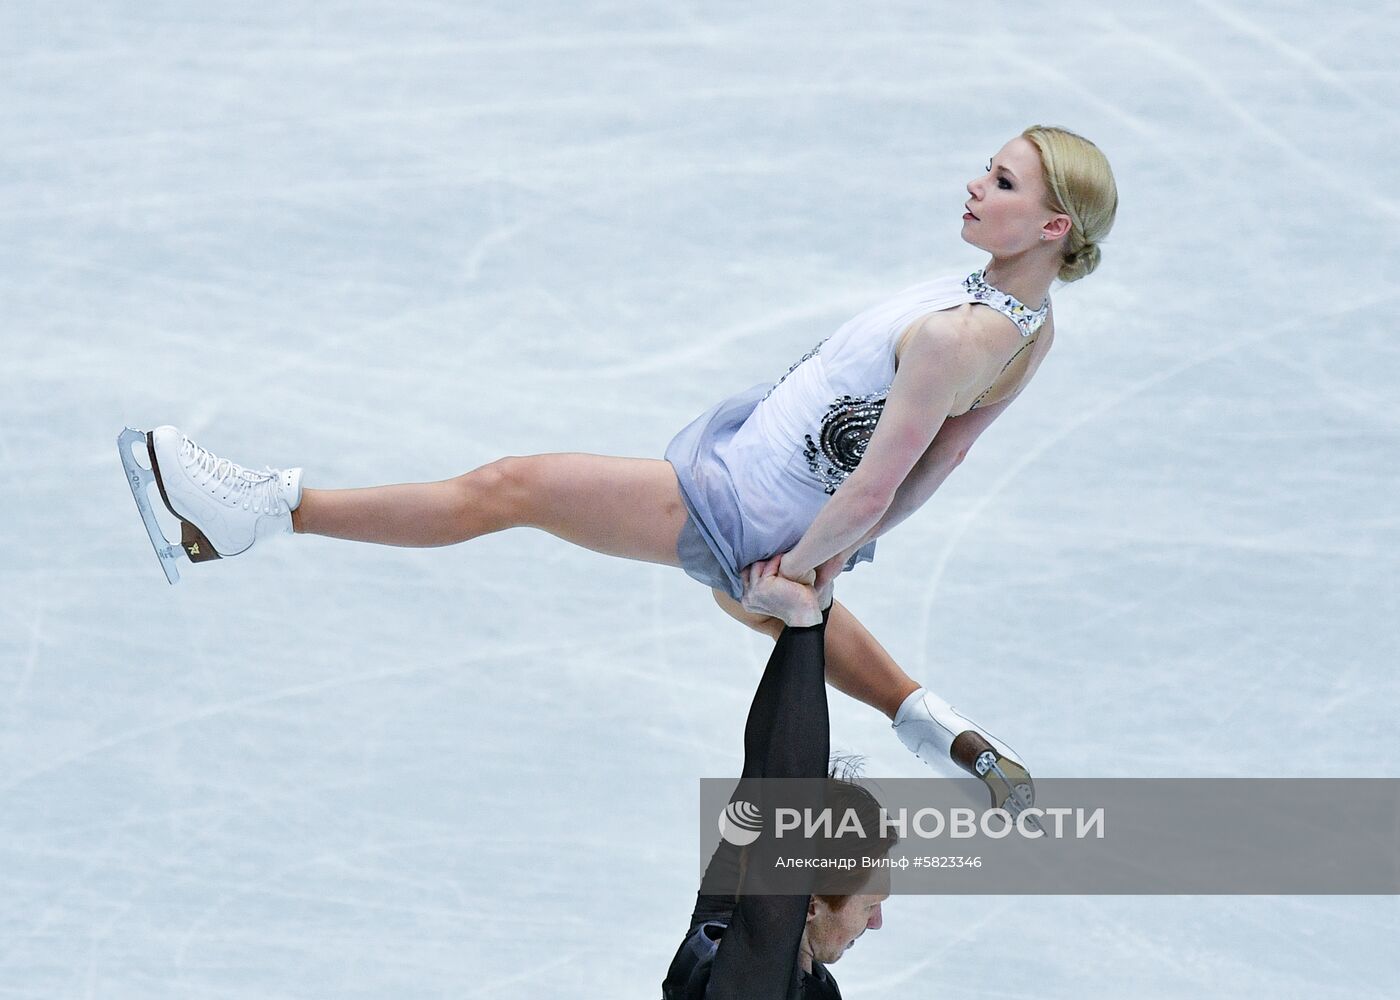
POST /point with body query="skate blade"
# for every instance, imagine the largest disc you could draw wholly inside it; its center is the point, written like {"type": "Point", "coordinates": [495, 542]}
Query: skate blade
{"type": "Point", "coordinates": [1008, 781]}
{"type": "Point", "coordinates": [140, 480]}
{"type": "Point", "coordinates": [1010, 785]}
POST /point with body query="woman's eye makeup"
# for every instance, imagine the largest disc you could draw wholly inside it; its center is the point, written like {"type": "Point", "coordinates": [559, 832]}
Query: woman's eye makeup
{"type": "Point", "coordinates": [1001, 180]}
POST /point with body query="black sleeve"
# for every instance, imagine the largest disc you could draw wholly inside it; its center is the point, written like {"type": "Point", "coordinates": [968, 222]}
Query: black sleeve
{"type": "Point", "coordinates": [786, 736]}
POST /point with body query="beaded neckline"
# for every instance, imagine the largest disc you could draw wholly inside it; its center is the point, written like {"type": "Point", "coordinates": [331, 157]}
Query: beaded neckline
{"type": "Point", "coordinates": [1028, 320]}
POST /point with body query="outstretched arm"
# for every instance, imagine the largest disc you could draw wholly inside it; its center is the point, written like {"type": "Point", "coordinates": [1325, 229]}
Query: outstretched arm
{"type": "Point", "coordinates": [786, 736]}
{"type": "Point", "coordinates": [949, 448]}
{"type": "Point", "coordinates": [938, 363]}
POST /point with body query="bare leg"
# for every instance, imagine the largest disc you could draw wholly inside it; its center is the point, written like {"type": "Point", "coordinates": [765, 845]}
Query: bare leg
{"type": "Point", "coordinates": [856, 665]}
{"type": "Point", "coordinates": [628, 507]}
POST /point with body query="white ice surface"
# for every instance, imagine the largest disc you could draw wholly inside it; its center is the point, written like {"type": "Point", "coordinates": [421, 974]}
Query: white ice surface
{"type": "Point", "coordinates": [392, 241]}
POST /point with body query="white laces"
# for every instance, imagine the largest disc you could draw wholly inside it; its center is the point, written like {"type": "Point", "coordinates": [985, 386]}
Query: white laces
{"type": "Point", "coordinates": [235, 485]}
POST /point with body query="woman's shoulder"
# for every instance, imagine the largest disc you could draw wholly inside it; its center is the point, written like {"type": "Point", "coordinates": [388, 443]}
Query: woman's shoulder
{"type": "Point", "coordinates": [958, 320]}
{"type": "Point", "coordinates": [977, 343]}
{"type": "Point", "coordinates": [960, 326]}
{"type": "Point", "coordinates": [996, 332]}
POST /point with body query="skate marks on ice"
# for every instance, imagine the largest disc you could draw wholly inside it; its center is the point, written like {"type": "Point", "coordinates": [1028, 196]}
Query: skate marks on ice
{"type": "Point", "coordinates": [1312, 316]}
{"type": "Point", "coordinates": [523, 651]}
{"type": "Point", "coordinates": [201, 246]}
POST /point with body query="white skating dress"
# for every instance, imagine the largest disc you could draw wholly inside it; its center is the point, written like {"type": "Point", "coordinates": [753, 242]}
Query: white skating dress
{"type": "Point", "coordinates": [755, 469]}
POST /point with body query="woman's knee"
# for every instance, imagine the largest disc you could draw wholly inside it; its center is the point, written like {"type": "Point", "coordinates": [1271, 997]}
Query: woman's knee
{"type": "Point", "coordinates": [500, 490]}
{"type": "Point", "coordinates": [766, 624]}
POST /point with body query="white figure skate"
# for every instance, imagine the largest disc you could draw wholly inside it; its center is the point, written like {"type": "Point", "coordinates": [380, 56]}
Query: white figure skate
{"type": "Point", "coordinates": [936, 732]}
{"type": "Point", "coordinates": [222, 508]}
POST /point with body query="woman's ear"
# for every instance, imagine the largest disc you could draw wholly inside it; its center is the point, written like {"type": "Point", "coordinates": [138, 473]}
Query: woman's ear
{"type": "Point", "coordinates": [1057, 227]}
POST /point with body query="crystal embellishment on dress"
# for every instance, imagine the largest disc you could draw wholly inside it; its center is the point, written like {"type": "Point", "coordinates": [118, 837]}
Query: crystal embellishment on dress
{"type": "Point", "coordinates": [793, 367]}
{"type": "Point", "coordinates": [1026, 319]}
{"type": "Point", "coordinates": [846, 429]}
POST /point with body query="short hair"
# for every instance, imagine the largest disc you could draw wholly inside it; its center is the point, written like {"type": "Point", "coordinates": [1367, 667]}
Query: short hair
{"type": "Point", "coordinates": [843, 793]}
{"type": "Point", "coordinates": [1079, 183]}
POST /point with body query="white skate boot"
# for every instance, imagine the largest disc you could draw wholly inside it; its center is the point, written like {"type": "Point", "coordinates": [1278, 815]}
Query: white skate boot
{"type": "Point", "coordinates": [936, 732]}
{"type": "Point", "coordinates": [223, 508]}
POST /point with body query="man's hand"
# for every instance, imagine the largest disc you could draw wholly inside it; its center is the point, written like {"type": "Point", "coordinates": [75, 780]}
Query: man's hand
{"type": "Point", "coordinates": [768, 592]}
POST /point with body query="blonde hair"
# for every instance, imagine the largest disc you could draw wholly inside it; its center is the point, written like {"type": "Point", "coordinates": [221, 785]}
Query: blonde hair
{"type": "Point", "coordinates": [1080, 184]}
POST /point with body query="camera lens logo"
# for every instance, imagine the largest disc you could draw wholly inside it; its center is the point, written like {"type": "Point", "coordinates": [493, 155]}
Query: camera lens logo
{"type": "Point", "coordinates": [740, 823]}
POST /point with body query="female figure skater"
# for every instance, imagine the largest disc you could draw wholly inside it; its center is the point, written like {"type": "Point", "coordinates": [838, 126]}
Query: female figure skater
{"type": "Point", "coordinates": [756, 946]}
{"type": "Point", "coordinates": [801, 475]}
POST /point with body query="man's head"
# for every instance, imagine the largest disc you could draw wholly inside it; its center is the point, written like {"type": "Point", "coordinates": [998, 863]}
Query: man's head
{"type": "Point", "coordinates": [834, 923]}
{"type": "Point", "coordinates": [847, 903]}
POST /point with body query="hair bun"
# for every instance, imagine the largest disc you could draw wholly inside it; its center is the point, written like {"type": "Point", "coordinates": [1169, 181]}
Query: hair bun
{"type": "Point", "coordinates": [1080, 184]}
{"type": "Point", "coordinates": [1082, 262]}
